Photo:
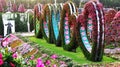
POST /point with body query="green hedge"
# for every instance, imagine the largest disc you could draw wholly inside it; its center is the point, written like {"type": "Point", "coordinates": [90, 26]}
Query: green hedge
{"type": "Point", "coordinates": [20, 26]}
{"type": "Point", "coordinates": [1, 25]}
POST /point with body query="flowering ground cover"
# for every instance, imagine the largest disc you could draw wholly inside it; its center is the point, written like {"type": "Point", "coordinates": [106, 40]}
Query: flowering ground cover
{"type": "Point", "coordinates": [77, 58]}
{"type": "Point", "coordinates": [49, 55]}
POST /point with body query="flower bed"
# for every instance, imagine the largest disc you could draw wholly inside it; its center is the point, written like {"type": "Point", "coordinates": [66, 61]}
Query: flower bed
{"type": "Point", "coordinates": [112, 32]}
{"type": "Point", "coordinates": [19, 54]}
{"type": "Point", "coordinates": [44, 57]}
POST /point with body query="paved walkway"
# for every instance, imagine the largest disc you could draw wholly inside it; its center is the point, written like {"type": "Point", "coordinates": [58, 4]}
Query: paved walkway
{"type": "Point", "coordinates": [26, 34]}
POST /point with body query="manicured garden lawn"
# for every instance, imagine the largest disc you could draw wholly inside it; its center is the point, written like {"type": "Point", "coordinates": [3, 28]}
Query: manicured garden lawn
{"type": "Point", "coordinates": [76, 57]}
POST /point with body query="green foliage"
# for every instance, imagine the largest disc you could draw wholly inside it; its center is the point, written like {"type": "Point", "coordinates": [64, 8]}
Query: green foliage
{"type": "Point", "coordinates": [19, 25]}
{"type": "Point", "coordinates": [31, 22]}
{"type": "Point", "coordinates": [1, 25]}
{"type": "Point", "coordinates": [7, 58]}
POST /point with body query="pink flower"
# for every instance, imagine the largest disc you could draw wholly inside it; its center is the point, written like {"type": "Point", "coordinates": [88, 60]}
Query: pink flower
{"type": "Point", "coordinates": [62, 62]}
{"type": "Point", "coordinates": [47, 62]}
{"type": "Point", "coordinates": [4, 44]}
{"type": "Point", "coordinates": [39, 63]}
{"type": "Point", "coordinates": [44, 55]}
{"type": "Point", "coordinates": [14, 8]}
{"type": "Point", "coordinates": [66, 27]}
{"type": "Point", "coordinates": [82, 28]}
{"type": "Point", "coordinates": [32, 57]}
{"type": "Point", "coordinates": [66, 22]}
{"type": "Point", "coordinates": [21, 8]}
{"type": "Point", "coordinates": [14, 50]}
{"type": "Point", "coordinates": [54, 56]}
{"type": "Point", "coordinates": [54, 65]}
{"type": "Point", "coordinates": [14, 55]}
{"type": "Point", "coordinates": [1, 8]}
{"type": "Point", "coordinates": [1, 62]}
{"type": "Point", "coordinates": [67, 37]}
{"type": "Point", "coordinates": [0, 55]}
{"type": "Point", "coordinates": [66, 32]}
{"type": "Point", "coordinates": [67, 41]}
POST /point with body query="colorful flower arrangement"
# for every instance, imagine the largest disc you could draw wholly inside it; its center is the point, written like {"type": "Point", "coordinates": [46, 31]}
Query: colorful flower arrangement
{"type": "Point", "coordinates": [55, 23]}
{"type": "Point", "coordinates": [112, 31]}
{"type": "Point", "coordinates": [117, 17]}
{"type": "Point", "coordinates": [46, 24]}
{"type": "Point", "coordinates": [8, 59]}
{"type": "Point", "coordinates": [14, 7]}
{"type": "Point", "coordinates": [37, 10]}
{"type": "Point", "coordinates": [21, 8]}
{"type": "Point", "coordinates": [110, 15]}
{"type": "Point", "coordinates": [1, 8]}
{"type": "Point", "coordinates": [66, 23]}
{"type": "Point", "coordinates": [38, 20]}
{"type": "Point", "coordinates": [50, 61]}
{"type": "Point", "coordinates": [91, 10]}
{"type": "Point", "coordinates": [25, 55]}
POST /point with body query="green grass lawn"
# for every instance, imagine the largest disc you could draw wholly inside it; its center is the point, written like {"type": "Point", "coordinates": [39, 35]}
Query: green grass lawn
{"type": "Point", "coordinates": [76, 57]}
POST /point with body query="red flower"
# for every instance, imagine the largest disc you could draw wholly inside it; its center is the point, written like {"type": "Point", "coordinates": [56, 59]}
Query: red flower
{"type": "Point", "coordinates": [1, 62]}
{"type": "Point", "coordinates": [11, 64]}
{"type": "Point", "coordinates": [0, 55]}
{"type": "Point", "coordinates": [54, 56]}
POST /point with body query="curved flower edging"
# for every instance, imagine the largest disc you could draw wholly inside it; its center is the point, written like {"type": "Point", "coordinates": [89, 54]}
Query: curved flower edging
{"type": "Point", "coordinates": [94, 52]}
{"type": "Point", "coordinates": [67, 37]}
{"type": "Point", "coordinates": [55, 24]}
{"type": "Point", "coordinates": [46, 24]}
{"type": "Point", "coordinates": [38, 20]}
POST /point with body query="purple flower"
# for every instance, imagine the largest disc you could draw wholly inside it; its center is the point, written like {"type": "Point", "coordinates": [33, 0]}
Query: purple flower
{"type": "Point", "coordinates": [39, 63]}
{"type": "Point", "coordinates": [47, 62]}
{"type": "Point", "coordinates": [54, 56]}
